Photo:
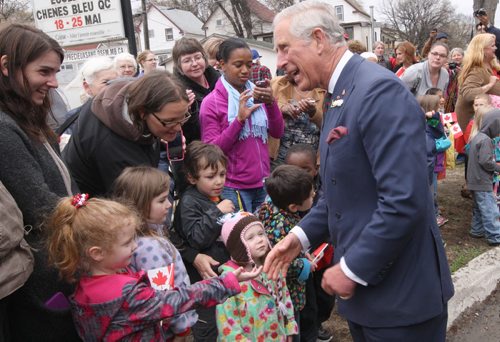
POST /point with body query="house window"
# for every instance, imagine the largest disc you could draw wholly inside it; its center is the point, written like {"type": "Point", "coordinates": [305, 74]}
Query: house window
{"type": "Point", "coordinates": [151, 33]}
{"type": "Point", "coordinates": [339, 10]}
{"type": "Point", "coordinates": [350, 31]}
{"type": "Point", "coordinates": [169, 34]}
{"type": "Point", "coordinates": [218, 22]}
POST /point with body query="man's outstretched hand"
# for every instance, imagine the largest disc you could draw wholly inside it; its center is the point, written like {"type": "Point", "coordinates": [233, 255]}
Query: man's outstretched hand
{"type": "Point", "coordinates": [280, 257]}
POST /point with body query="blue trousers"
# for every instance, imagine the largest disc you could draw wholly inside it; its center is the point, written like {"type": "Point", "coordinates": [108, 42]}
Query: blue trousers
{"type": "Point", "coordinates": [485, 216]}
{"type": "Point", "coordinates": [249, 198]}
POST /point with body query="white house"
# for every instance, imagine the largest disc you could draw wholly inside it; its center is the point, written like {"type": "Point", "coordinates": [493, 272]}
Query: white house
{"type": "Point", "coordinates": [262, 19]}
{"type": "Point", "coordinates": [165, 26]}
{"type": "Point", "coordinates": [355, 21]}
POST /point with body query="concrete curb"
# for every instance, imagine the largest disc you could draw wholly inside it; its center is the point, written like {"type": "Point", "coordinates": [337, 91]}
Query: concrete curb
{"type": "Point", "coordinates": [474, 282]}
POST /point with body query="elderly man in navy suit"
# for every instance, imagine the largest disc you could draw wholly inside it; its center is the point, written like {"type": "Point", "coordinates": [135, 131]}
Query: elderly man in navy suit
{"type": "Point", "coordinates": [390, 270]}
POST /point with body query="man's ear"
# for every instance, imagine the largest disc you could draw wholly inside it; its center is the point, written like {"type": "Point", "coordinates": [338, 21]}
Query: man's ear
{"type": "Point", "coordinates": [318, 35]}
{"type": "Point", "coordinates": [4, 60]}
{"type": "Point", "coordinates": [96, 253]}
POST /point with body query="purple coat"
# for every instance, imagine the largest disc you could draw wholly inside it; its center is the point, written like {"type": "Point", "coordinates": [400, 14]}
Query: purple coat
{"type": "Point", "coordinates": [248, 160]}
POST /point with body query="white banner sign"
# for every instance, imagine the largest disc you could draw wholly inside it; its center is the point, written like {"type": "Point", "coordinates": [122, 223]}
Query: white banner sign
{"type": "Point", "coordinates": [83, 55]}
{"type": "Point", "coordinates": [74, 22]}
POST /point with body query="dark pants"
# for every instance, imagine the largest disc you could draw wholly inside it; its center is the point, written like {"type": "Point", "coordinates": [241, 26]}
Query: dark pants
{"type": "Point", "coordinates": [4, 322]}
{"type": "Point", "coordinates": [433, 330]}
{"type": "Point", "coordinates": [205, 330]}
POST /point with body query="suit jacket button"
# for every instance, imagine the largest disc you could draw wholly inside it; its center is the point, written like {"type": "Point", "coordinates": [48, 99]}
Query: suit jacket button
{"type": "Point", "coordinates": [337, 215]}
{"type": "Point", "coordinates": [334, 181]}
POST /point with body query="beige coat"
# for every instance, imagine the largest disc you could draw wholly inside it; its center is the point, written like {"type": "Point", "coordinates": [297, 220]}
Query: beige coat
{"type": "Point", "coordinates": [284, 91]}
{"type": "Point", "coordinates": [470, 88]}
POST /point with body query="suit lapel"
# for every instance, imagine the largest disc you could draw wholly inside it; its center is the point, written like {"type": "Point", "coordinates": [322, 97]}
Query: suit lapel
{"type": "Point", "coordinates": [339, 103]}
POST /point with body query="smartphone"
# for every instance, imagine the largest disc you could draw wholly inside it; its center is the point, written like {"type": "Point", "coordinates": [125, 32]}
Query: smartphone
{"type": "Point", "coordinates": [175, 150]}
{"type": "Point", "coordinates": [260, 84]}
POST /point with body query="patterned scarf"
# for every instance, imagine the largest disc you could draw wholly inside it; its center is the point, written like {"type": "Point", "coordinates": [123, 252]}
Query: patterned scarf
{"type": "Point", "coordinates": [258, 117]}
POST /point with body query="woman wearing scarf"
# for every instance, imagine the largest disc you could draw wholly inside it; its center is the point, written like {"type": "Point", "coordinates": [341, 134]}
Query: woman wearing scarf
{"type": "Point", "coordinates": [231, 118]}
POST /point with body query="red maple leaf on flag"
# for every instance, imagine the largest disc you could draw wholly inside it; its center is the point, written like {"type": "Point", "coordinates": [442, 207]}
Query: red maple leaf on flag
{"type": "Point", "coordinates": [160, 279]}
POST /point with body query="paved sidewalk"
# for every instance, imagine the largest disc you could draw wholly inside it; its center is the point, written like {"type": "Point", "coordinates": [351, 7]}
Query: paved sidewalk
{"type": "Point", "coordinates": [474, 282]}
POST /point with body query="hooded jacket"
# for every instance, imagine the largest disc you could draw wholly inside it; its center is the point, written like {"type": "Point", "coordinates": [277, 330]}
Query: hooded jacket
{"type": "Point", "coordinates": [482, 164]}
{"type": "Point", "coordinates": [125, 307]}
{"type": "Point", "coordinates": [105, 141]}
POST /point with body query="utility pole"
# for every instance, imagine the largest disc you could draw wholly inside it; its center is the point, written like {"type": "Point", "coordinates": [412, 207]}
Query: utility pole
{"type": "Point", "coordinates": [145, 25]}
{"type": "Point", "coordinates": [372, 30]}
{"type": "Point", "coordinates": [128, 23]}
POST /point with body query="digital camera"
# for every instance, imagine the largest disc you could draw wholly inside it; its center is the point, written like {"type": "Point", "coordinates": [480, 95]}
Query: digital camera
{"type": "Point", "coordinates": [479, 12]}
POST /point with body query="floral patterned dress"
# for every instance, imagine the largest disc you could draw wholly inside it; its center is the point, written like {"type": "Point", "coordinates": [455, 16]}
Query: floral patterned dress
{"type": "Point", "coordinates": [263, 311]}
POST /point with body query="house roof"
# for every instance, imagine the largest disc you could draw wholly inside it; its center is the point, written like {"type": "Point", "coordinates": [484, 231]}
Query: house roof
{"type": "Point", "coordinates": [186, 21]}
{"type": "Point", "coordinates": [260, 10]}
{"type": "Point", "coordinates": [357, 6]}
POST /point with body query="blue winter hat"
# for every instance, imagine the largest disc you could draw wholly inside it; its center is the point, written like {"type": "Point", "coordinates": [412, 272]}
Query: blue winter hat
{"type": "Point", "coordinates": [255, 54]}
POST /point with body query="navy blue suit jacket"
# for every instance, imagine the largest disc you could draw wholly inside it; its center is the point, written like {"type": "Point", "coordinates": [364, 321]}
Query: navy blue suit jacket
{"type": "Point", "coordinates": [376, 205]}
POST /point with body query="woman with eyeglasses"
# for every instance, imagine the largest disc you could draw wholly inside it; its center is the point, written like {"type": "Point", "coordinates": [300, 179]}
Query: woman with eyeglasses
{"type": "Point", "coordinates": [192, 69]}
{"type": "Point", "coordinates": [430, 73]}
{"type": "Point", "coordinates": [125, 65]}
{"type": "Point", "coordinates": [148, 61]}
{"type": "Point", "coordinates": [123, 127]}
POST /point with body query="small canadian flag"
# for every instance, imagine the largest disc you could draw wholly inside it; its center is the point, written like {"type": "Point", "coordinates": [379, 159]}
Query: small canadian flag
{"type": "Point", "coordinates": [162, 278]}
{"type": "Point", "coordinates": [457, 132]}
{"type": "Point", "coordinates": [448, 117]}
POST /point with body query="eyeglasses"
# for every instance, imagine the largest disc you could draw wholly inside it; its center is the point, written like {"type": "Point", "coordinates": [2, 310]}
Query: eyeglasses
{"type": "Point", "coordinates": [166, 123]}
{"type": "Point", "coordinates": [191, 60]}
{"type": "Point", "coordinates": [442, 55]}
{"type": "Point", "coordinates": [123, 67]}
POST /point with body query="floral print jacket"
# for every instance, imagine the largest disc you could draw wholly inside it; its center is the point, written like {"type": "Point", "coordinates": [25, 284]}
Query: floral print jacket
{"type": "Point", "coordinates": [254, 314]}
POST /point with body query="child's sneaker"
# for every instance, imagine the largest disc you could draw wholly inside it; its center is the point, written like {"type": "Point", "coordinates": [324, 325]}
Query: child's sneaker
{"type": "Point", "coordinates": [441, 220]}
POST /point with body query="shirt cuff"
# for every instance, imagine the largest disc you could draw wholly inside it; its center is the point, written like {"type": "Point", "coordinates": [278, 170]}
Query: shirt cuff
{"type": "Point", "coordinates": [304, 241]}
{"type": "Point", "coordinates": [349, 273]}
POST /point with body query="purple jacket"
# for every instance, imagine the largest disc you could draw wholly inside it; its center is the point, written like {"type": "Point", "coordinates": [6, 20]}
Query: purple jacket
{"type": "Point", "coordinates": [248, 160]}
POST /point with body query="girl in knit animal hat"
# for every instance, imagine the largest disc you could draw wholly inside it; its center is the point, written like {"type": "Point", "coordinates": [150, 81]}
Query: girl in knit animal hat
{"type": "Point", "coordinates": [263, 311]}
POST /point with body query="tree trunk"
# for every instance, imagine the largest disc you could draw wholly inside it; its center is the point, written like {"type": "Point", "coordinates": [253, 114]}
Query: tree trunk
{"type": "Point", "coordinates": [489, 5]}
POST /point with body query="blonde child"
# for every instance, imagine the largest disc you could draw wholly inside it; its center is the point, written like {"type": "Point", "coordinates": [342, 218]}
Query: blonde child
{"type": "Point", "coordinates": [197, 223]}
{"type": "Point", "coordinates": [430, 105]}
{"type": "Point", "coordinates": [263, 311]}
{"type": "Point", "coordinates": [147, 189]}
{"type": "Point", "coordinates": [93, 241]}
{"type": "Point", "coordinates": [482, 104]}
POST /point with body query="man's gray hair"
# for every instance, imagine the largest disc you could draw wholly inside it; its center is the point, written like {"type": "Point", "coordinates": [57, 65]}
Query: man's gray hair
{"type": "Point", "coordinates": [306, 16]}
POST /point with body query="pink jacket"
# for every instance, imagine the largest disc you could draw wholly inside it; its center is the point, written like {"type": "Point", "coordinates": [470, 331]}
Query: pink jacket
{"type": "Point", "coordinates": [248, 160]}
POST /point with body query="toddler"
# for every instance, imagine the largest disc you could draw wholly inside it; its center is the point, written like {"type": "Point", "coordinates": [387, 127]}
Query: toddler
{"type": "Point", "coordinates": [480, 169]}
{"type": "Point", "coordinates": [93, 241]}
{"type": "Point", "coordinates": [196, 221]}
{"type": "Point", "coordinates": [147, 189]}
{"type": "Point", "coordinates": [263, 311]}
{"type": "Point", "coordinates": [291, 191]}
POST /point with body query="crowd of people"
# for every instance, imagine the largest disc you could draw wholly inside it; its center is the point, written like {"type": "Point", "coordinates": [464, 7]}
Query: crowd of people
{"type": "Point", "coordinates": [289, 194]}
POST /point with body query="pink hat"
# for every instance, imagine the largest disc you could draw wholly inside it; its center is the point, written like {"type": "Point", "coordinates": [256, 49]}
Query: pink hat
{"type": "Point", "coordinates": [233, 229]}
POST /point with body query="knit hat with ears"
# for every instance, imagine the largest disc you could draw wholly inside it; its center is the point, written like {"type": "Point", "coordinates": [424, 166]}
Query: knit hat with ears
{"type": "Point", "coordinates": [233, 229]}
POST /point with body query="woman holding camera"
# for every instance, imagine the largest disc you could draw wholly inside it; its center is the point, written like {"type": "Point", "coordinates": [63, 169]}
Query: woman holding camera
{"type": "Point", "coordinates": [479, 75]}
{"type": "Point", "coordinates": [429, 74]}
{"type": "Point", "coordinates": [122, 127]}
{"type": "Point", "coordinates": [454, 67]}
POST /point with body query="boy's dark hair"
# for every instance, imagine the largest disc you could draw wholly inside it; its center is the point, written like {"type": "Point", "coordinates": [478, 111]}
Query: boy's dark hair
{"type": "Point", "coordinates": [301, 149]}
{"type": "Point", "coordinates": [196, 152]}
{"type": "Point", "coordinates": [289, 184]}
